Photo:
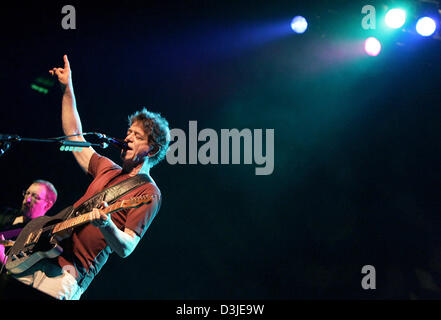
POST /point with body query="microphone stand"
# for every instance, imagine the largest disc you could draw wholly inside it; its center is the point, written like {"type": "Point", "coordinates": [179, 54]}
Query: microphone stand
{"type": "Point", "coordinates": [6, 142]}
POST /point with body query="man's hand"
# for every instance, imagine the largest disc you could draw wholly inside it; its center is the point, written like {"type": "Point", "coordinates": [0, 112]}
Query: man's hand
{"type": "Point", "coordinates": [63, 74]}
{"type": "Point", "coordinates": [100, 219]}
{"type": "Point", "coordinates": [122, 242]}
{"type": "Point", "coordinates": [70, 119]}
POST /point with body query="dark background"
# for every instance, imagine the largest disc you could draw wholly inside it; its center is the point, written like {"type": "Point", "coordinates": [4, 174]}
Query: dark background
{"type": "Point", "coordinates": [357, 143]}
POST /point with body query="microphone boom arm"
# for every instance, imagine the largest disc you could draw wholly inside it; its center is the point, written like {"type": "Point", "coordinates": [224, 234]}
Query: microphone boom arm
{"type": "Point", "coordinates": [7, 140]}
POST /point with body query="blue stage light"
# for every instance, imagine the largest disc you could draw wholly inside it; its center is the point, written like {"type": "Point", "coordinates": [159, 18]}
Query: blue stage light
{"type": "Point", "coordinates": [299, 24]}
{"type": "Point", "coordinates": [426, 26]}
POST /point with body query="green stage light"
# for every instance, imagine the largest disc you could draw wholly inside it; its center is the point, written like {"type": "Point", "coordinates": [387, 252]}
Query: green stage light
{"type": "Point", "coordinates": [39, 89]}
{"type": "Point", "coordinates": [395, 18]}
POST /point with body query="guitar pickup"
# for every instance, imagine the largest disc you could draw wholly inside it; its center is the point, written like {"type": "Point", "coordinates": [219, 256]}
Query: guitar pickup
{"type": "Point", "coordinates": [33, 237]}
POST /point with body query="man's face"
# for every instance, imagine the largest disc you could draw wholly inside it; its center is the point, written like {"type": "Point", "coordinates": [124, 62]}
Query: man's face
{"type": "Point", "coordinates": [35, 203]}
{"type": "Point", "coordinates": [138, 144]}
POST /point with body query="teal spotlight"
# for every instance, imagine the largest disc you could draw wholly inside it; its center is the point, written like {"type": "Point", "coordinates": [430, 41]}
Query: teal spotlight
{"type": "Point", "coordinates": [395, 18]}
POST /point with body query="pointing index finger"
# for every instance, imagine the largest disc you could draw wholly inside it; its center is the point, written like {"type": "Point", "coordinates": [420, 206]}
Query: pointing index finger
{"type": "Point", "coordinates": [66, 62]}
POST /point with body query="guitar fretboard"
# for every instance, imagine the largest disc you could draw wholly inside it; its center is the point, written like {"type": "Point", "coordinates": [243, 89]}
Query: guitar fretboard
{"type": "Point", "coordinates": [85, 218]}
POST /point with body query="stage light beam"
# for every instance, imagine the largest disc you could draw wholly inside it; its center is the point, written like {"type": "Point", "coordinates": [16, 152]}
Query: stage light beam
{"type": "Point", "coordinates": [426, 26]}
{"type": "Point", "coordinates": [395, 18]}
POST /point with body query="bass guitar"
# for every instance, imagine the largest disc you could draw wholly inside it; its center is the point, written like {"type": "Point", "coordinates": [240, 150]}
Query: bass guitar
{"type": "Point", "coordinates": [38, 238]}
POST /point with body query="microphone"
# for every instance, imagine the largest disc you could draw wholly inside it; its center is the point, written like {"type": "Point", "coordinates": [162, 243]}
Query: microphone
{"type": "Point", "coordinates": [118, 143]}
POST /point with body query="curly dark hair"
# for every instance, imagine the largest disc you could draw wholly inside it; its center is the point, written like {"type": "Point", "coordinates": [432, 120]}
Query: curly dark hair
{"type": "Point", "coordinates": [157, 129]}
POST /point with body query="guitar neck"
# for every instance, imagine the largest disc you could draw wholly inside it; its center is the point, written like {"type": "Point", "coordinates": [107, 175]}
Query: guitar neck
{"type": "Point", "coordinates": [85, 218]}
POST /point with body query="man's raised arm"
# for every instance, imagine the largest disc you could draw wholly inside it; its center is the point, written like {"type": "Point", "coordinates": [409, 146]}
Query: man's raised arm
{"type": "Point", "coordinates": [69, 114]}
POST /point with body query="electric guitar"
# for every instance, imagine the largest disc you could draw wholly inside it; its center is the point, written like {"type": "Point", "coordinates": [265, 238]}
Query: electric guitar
{"type": "Point", "coordinates": [38, 239]}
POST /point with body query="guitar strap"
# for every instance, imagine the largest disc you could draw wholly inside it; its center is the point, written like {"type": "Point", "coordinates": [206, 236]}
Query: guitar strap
{"type": "Point", "coordinates": [110, 195]}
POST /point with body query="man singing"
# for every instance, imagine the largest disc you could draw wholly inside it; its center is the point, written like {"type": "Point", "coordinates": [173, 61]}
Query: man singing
{"type": "Point", "coordinates": [89, 246]}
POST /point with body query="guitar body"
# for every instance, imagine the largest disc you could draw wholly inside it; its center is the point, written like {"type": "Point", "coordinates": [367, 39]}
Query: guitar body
{"type": "Point", "coordinates": [34, 243]}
